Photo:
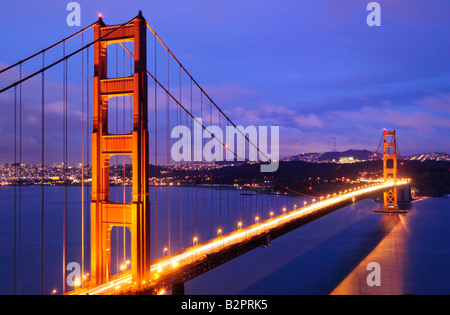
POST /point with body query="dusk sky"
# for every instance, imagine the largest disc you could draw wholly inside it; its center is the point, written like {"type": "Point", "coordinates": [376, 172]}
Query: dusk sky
{"type": "Point", "coordinates": [314, 68]}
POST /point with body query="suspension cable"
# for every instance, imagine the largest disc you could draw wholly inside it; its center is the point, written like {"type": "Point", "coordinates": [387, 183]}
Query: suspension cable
{"type": "Point", "coordinates": [64, 58]}
{"type": "Point", "coordinates": [168, 94]}
{"type": "Point", "coordinates": [218, 108]}
{"type": "Point", "coordinates": [48, 48]}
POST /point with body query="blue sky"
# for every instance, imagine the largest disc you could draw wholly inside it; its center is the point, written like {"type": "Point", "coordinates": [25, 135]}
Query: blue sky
{"type": "Point", "coordinates": [314, 68]}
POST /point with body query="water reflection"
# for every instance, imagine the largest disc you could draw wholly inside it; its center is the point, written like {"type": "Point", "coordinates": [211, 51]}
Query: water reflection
{"type": "Point", "coordinates": [389, 254]}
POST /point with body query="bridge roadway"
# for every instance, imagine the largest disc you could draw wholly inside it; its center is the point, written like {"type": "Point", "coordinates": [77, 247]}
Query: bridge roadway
{"type": "Point", "coordinates": [192, 262]}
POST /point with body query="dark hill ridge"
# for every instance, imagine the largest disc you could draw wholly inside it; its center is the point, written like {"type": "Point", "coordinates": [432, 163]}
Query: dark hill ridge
{"type": "Point", "coordinates": [362, 155]}
{"type": "Point", "coordinates": [359, 155]}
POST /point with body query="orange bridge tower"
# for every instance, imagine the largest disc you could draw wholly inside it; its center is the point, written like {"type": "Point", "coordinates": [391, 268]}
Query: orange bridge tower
{"type": "Point", "coordinates": [105, 214]}
{"type": "Point", "coordinates": [390, 169]}
{"type": "Point", "coordinates": [390, 198]}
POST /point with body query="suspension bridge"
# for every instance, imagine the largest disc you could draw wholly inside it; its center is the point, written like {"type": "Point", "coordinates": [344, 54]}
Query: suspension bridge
{"type": "Point", "coordinates": [135, 238]}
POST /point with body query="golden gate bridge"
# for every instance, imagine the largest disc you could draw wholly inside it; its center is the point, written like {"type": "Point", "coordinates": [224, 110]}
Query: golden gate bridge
{"type": "Point", "coordinates": [164, 245]}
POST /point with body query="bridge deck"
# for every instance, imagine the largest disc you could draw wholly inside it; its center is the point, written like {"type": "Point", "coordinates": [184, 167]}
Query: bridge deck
{"type": "Point", "coordinates": [194, 261]}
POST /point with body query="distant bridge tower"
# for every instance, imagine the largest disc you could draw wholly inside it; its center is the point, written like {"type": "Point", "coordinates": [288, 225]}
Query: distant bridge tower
{"type": "Point", "coordinates": [390, 170]}
{"type": "Point", "coordinates": [390, 198]}
{"type": "Point", "coordinates": [105, 214]}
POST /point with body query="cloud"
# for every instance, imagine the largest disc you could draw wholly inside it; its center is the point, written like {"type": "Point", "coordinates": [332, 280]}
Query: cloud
{"type": "Point", "coordinates": [437, 102]}
{"type": "Point", "coordinates": [308, 121]}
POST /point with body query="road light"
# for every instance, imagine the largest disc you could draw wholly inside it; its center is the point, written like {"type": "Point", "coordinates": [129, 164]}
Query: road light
{"type": "Point", "coordinates": [256, 219]}
{"type": "Point", "coordinates": [165, 251]}
{"type": "Point", "coordinates": [239, 225]}
{"type": "Point", "coordinates": [77, 283]}
{"type": "Point", "coordinates": [271, 214]}
{"type": "Point", "coordinates": [219, 232]}
{"type": "Point", "coordinates": [284, 210]}
{"type": "Point", "coordinates": [194, 241]}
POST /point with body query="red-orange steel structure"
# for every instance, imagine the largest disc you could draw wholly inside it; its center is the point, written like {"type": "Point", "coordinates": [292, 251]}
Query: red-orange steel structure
{"type": "Point", "coordinates": [390, 170]}
{"type": "Point", "coordinates": [105, 214]}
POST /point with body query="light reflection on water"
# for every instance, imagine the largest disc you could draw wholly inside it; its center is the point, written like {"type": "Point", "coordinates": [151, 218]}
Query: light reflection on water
{"type": "Point", "coordinates": [389, 254]}
{"type": "Point", "coordinates": [330, 255]}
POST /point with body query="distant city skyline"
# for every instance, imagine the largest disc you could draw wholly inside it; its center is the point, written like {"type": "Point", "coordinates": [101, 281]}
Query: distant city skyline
{"type": "Point", "coordinates": [316, 69]}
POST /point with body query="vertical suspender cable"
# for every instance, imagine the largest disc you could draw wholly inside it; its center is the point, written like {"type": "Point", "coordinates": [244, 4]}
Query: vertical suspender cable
{"type": "Point", "coordinates": [180, 212]}
{"type": "Point", "coordinates": [15, 187]}
{"type": "Point", "coordinates": [64, 156]}
{"type": "Point", "coordinates": [201, 175]}
{"type": "Point", "coordinates": [116, 173]}
{"type": "Point", "coordinates": [20, 184]}
{"type": "Point", "coordinates": [168, 150]}
{"type": "Point", "coordinates": [82, 161]}
{"type": "Point", "coordinates": [42, 176]}
{"type": "Point", "coordinates": [124, 168]}
{"type": "Point", "coordinates": [87, 126]}
{"type": "Point", "coordinates": [192, 190]}
{"type": "Point", "coordinates": [220, 182]}
{"type": "Point", "coordinates": [211, 181]}
{"type": "Point", "coordinates": [156, 158]}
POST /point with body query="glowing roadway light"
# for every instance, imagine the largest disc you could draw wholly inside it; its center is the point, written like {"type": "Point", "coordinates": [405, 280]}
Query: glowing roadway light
{"type": "Point", "coordinates": [250, 231]}
{"type": "Point", "coordinates": [237, 236]}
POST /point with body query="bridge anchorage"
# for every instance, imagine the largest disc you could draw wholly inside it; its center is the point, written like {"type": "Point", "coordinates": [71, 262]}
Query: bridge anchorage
{"type": "Point", "coordinates": [390, 196]}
